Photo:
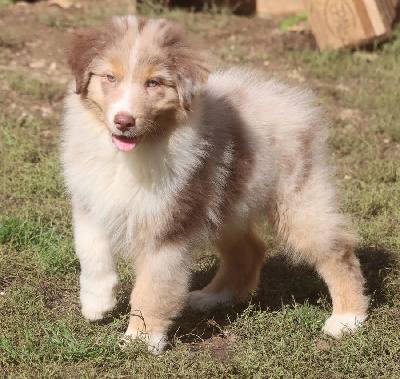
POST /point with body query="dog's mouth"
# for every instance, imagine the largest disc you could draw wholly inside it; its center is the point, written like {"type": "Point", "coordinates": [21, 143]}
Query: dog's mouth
{"type": "Point", "coordinates": [124, 143]}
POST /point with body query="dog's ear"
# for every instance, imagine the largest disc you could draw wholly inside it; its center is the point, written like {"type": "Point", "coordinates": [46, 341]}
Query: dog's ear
{"type": "Point", "coordinates": [192, 64]}
{"type": "Point", "coordinates": [193, 69]}
{"type": "Point", "coordinates": [83, 46]}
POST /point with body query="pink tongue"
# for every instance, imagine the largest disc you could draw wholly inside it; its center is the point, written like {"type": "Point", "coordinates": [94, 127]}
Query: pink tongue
{"type": "Point", "coordinates": [124, 143]}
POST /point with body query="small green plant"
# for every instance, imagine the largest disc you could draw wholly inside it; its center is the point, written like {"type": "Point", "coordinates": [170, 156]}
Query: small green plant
{"type": "Point", "coordinates": [4, 3]}
{"type": "Point", "coordinates": [292, 21]}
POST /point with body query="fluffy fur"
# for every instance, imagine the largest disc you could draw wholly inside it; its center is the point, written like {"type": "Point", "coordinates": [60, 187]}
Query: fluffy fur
{"type": "Point", "coordinates": [160, 154]}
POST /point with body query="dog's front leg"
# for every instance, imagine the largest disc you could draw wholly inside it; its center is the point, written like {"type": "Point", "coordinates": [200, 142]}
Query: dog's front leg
{"type": "Point", "coordinates": [98, 278]}
{"type": "Point", "coordinates": [160, 292]}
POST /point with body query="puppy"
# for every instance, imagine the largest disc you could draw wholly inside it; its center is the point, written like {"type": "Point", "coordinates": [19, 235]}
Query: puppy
{"type": "Point", "coordinates": [160, 155]}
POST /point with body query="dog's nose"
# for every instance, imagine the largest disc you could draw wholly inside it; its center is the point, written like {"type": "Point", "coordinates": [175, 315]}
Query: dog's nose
{"type": "Point", "coordinates": [124, 122]}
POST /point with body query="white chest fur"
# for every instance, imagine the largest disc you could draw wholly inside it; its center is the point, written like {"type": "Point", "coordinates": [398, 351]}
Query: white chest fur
{"type": "Point", "coordinates": [127, 194]}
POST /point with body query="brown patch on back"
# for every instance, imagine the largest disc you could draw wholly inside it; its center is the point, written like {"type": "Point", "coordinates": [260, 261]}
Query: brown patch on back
{"type": "Point", "coordinates": [202, 193]}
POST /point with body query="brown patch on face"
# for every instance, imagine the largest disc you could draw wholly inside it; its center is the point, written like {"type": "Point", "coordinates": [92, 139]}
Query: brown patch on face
{"type": "Point", "coordinates": [106, 89]}
{"type": "Point", "coordinates": [206, 191]}
{"type": "Point", "coordinates": [82, 48]}
{"type": "Point", "coordinates": [85, 45]}
{"type": "Point", "coordinates": [190, 64]}
{"type": "Point", "coordinates": [118, 68]}
{"type": "Point", "coordinates": [163, 49]}
{"type": "Point", "coordinates": [154, 71]}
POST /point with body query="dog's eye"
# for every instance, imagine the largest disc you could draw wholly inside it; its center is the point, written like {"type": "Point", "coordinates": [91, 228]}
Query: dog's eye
{"type": "Point", "coordinates": [152, 83]}
{"type": "Point", "coordinates": [111, 78]}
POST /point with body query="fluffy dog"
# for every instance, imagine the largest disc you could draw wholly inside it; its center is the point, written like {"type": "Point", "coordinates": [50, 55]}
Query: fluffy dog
{"type": "Point", "coordinates": [159, 155]}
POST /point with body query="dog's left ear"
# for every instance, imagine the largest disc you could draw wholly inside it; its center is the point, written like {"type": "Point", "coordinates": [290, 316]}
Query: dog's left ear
{"type": "Point", "coordinates": [83, 46]}
{"type": "Point", "coordinates": [193, 70]}
{"type": "Point", "coordinates": [192, 64]}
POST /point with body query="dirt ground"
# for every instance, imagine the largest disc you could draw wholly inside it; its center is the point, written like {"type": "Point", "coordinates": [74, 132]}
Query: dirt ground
{"type": "Point", "coordinates": [32, 38]}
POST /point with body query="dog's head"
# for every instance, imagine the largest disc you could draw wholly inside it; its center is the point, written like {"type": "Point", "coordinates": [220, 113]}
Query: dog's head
{"type": "Point", "coordinates": [139, 74]}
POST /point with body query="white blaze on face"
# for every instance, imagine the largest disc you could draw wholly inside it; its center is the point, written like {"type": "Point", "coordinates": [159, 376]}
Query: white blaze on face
{"type": "Point", "coordinates": [122, 105]}
{"type": "Point", "coordinates": [124, 141]}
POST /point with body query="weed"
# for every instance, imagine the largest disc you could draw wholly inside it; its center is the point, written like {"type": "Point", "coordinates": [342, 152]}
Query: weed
{"type": "Point", "coordinates": [292, 21]}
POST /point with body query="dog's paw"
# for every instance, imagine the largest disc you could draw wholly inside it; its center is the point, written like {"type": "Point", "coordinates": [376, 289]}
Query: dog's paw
{"type": "Point", "coordinates": [95, 309]}
{"type": "Point", "coordinates": [337, 325]}
{"type": "Point", "coordinates": [156, 342]}
{"type": "Point", "coordinates": [202, 301]}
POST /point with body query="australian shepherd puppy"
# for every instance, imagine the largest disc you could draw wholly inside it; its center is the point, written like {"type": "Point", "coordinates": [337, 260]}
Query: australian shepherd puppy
{"type": "Point", "coordinates": [160, 154]}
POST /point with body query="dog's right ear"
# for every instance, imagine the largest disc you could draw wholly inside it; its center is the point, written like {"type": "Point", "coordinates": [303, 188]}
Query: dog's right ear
{"type": "Point", "coordinates": [83, 46]}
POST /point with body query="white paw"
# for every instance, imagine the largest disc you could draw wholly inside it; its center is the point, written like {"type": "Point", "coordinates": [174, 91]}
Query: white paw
{"type": "Point", "coordinates": [337, 325]}
{"type": "Point", "coordinates": [97, 295]}
{"type": "Point", "coordinates": [94, 309]}
{"type": "Point", "coordinates": [156, 342]}
{"type": "Point", "coordinates": [202, 301]}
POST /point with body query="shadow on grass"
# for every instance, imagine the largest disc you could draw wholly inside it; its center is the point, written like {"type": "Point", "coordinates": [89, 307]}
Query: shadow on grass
{"type": "Point", "coordinates": [377, 265]}
{"type": "Point", "coordinates": [282, 283]}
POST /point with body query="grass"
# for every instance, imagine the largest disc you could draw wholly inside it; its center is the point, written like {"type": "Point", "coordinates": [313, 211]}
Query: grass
{"type": "Point", "coordinates": [287, 23]}
{"type": "Point", "coordinates": [278, 333]}
{"type": "Point", "coordinates": [33, 88]}
{"type": "Point", "coordinates": [10, 38]}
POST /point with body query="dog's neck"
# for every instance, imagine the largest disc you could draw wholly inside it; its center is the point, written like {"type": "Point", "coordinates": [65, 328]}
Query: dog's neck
{"type": "Point", "coordinates": [171, 157]}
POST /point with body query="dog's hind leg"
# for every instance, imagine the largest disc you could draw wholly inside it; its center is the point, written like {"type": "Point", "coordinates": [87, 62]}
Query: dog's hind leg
{"type": "Point", "coordinates": [307, 219]}
{"type": "Point", "coordinates": [98, 278]}
{"type": "Point", "coordinates": [242, 254]}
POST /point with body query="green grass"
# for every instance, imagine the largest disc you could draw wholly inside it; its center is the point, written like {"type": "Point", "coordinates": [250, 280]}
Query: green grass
{"type": "Point", "coordinates": [278, 334]}
{"type": "Point", "coordinates": [4, 3]}
{"type": "Point", "coordinates": [10, 38]}
{"type": "Point", "coordinates": [291, 21]}
{"type": "Point", "coordinates": [33, 88]}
